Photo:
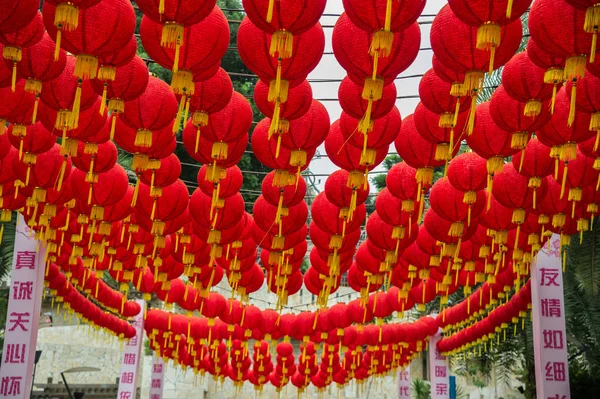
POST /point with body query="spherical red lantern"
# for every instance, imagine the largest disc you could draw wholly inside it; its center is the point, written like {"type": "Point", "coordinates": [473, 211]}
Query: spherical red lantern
{"type": "Point", "coordinates": [17, 13]}
{"type": "Point", "coordinates": [193, 55]}
{"type": "Point", "coordinates": [306, 52]}
{"type": "Point", "coordinates": [456, 46]}
{"type": "Point", "coordinates": [352, 49]}
{"type": "Point", "coordinates": [524, 81]}
{"type": "Point", "coordinates": [511, 115]}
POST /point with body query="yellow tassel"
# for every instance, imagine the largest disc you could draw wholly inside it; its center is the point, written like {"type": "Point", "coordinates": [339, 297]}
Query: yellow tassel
{"type": "Point", "coordinates": [103, 101]}
{"type": "Point", "coordinates": [14, 76]}
{"type": "Point", "coordinates": [472, 111]}
{"type": "Point", "coordinates": [559, 220]}
{"type": "Point", "coordinates": [219, 150]}
{"type": "Point", "coordinates": [282, 44]}
{"type": "Point", "coordinates": [298, 157]}
{"type": "Point", "coordinates": [533, 108]}
{"type": "Point", "coordinates": [424, 176]}
{"type": "Point", "coordinates": [76, 107]}
{"type": "Point", "coordinates": [488, 38]}
{"type": "Point", "coordinates": [373, 89]}
{"type": "Point", "coordinates": [421, 208]}
{"type": "Point", "coordinates": [519, 140]}
{"type": "Point", "coordinates": [574, 67]}
{"type": "Point", "coordinates": [470, 197]}
{"type": "Point", "coordinates": [143, 138]}
{"type": "Point", "coordinates": [66, 17]}
{"type": "Point", "coordinates": [443, 152]}
{"type": "Point", "coordinates": [61, 175]}
{"type": "Point", "coordinates": [458, 89]}
{"type": "Point", "coordinates": [518, 216]}
{"type": "Point", "coordinates": [179, 115]}
{"type": "Point", "coordinates": [509, 9]}
{"type": "Point", "coordinates": [408, 205]}
{"type": "Point", "coordinates": [573, 103]}
{"type": "Point", "coordinates": [447, 120]}
{"type": "Point", "coordinates": [365, 125]}
{"type": "Point", "coordinates": [57, 47]}
{"type": "Point", "coordinates": [494, 164]}
{"type": "Point", "coordinates": [270, 11]}
{"type": "Point", "coordinates": [594, 43]}
{"type": "Point", "coordinates": [161, 8]}
{"type": "Point", "coordinates": [456, 229]}
{"type": "Point", "coordinates": [86, 66]}
{"type": "Point", "coordinates": [196, 146]}
{"type": "Point", "coordinates": [368, 157]}
{"type": "Point", "coordinates": [473, 81]}
{"type": "Point", "coordinates": [35, 109]}
{"type": "Point", "coordinates": [278, 88]}
{"type": "Point", "coordinates": [136, 191]}
{"type": "Point", "coordinates": [381, 43]}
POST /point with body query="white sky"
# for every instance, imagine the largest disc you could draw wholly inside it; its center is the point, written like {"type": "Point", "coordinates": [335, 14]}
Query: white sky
{"type": "Point", "coordinates": [329, 68]}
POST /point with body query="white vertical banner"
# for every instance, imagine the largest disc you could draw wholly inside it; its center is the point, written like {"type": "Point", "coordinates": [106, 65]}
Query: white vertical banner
{"type": "Point", "coordinates": [439, 371]}
{"type": "Point", "coordinates": [128, 377]}
{"type": "Point", "coordinates": [23, 315]}
{"type": "Point", "coordinates": [157, 379]}
{"type": "Point", "coordinates": [549, 332]}
{"type": "Point", "coordinates": [404, 383]}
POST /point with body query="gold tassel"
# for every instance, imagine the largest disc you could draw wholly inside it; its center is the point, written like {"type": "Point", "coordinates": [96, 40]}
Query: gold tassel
{"type": "Point", "coordinates": [373, 89]}
{"type": "Point", "coordinates": [509, 9]}
{"type": "Point", "coordinates": [86, 66]}
{"type": "Point", "coordinates": [61, 175]}
{"type": "Point", "coordinates": [219, 150]}
{"type": "Point", "coordinates": [282, 44]}
{"type": "Point", "coordinates": [447, 119]}
{"type": "Point", "coordinates": [172, 37]}
{"type": "Point", "coordinates": [74, 120]}
{"type": "Point", "coordinates": [519, 140]}
{"type": "Point", "coordinates": [488, 38]}
{"type": "Point", "coordinates": [270, 11]}
{"type": "Point", "coordinates": [456, 229]}
{"type": "Point", "coordinates": [533, 108]}
{"type": "Point", "coordinates": [382, 42]}
{"type": "Point", "coordinates": [472, 111]}
{"type": "Point", "coordinates": [564, 180]}
{"type": "Point", "coordinates": [103, 101]}
{"type": "Point", "coordinates": [143, 138]}
{"type": "Point", "coordinates": [573, 103]}
{"type": "Point", "coordinates": [57, 47]}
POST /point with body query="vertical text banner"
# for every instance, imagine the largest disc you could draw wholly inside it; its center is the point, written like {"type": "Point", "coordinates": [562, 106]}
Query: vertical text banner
{"type": "Point", "coordinates": [549, 332]}
{"type": "Point", "coordinates": [128, 377]}
{"type": "Point", "coordinates": [404, 383]}
{"type": "Point", "coordinates": [158, 377]}
{"type": "Point", "coordinates": [23, 315]}
{"type": "Point", "coordinates": [439, 371]}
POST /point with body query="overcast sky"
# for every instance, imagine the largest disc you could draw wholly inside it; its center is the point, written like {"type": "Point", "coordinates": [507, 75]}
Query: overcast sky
{"type": "Point", "coordinates": [329, 68]}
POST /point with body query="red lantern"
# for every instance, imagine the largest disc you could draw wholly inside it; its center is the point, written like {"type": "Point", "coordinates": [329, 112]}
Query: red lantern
{"type": "Point", "coordinates": [100, 28]}
{"type": "Point", "coordinates": [16, 14]}
{"type": "Point", "coordinates": [524, 81]}
{"type": "Point", "coordinates": [14, 43]}
{"type": "Point", "coordinates": [511, 115]}
{"type": "Point", "coordinates": [456, 46]}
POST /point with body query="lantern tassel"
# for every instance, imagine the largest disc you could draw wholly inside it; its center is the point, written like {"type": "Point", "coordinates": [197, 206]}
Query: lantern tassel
{"type": "Point", "coordinates": [282, 44]}
{"type": "Point", "coordinates": [14, 76]}
{"type": "Point", "coordinates": [57, 47]}
{"type": "Point", "coordinates": [61, 175]}
{"type": "Point", "coordinates": [564, 180]}
{"type": "Point", "coordinates": [471, 121]}
{"type": "Point", "coordinates": [573, 103]}
{"type": "Point", "coordinates": [594, 42]}
{"type": "Point", "coordinates": [270, 11]}
{"type": "Point", "coordinates": [103, 102]}
{"type": "Point", "coordinates": [35, 109]}
{"type": "Point", "coordinates": [76, 107]}
{"type": "Point", "coordinates": [509, 9]}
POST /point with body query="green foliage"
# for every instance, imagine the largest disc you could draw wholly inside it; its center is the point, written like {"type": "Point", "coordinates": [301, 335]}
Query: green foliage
{"type": "Point", "coordinates": [421, 389]}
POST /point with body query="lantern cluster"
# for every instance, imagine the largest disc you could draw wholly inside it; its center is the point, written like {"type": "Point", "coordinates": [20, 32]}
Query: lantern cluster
{"type": "Point", "coordinates": [75, 303]}
{"type": "Point", "coordinates": [493, 326]}
{"type": "Point", "coordinates": [221, 348]}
